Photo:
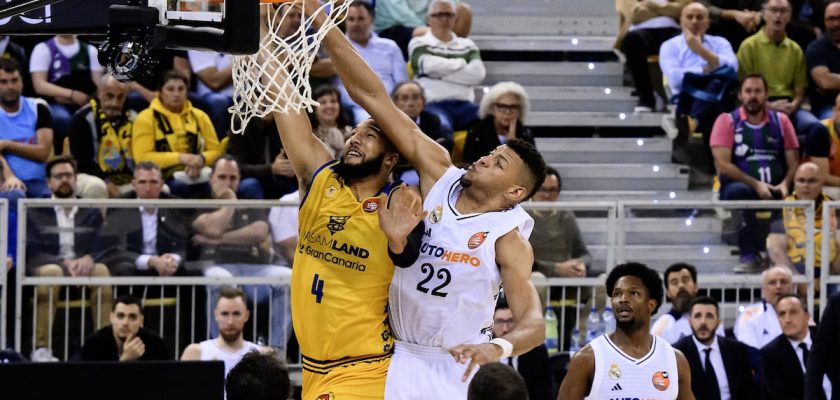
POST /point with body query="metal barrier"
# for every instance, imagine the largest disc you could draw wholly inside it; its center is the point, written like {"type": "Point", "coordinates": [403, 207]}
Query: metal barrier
{"type": "Point", "coordinates": [95, 286]}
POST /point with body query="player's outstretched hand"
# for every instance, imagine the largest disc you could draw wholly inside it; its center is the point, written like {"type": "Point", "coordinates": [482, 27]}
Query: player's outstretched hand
{"type": "Point", "coordinates": [477, 354]}
{"type": "Point", "coordinates": [399, 213]}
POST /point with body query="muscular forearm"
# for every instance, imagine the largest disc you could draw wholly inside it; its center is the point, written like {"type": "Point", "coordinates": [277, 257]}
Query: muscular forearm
{"type": "Point", "coordinates": [214, 224]}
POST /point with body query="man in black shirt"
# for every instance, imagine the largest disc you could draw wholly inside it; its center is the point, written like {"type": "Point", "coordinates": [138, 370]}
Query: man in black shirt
{"type": "Point", "coordinates": [125, 339]}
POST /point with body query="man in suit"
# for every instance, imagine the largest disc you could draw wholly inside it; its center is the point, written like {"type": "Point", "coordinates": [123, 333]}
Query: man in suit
{"type": "Point", "coordinates": [61, 241]}
{"type": "Point", "coordinates": [824, 360]}
{"type": "Point", "coordinates": [145, 240]}
{"type": "Point", "coordinates": [783, 360]}
{"type": "Point", "coordinates": [533, 365]}
{"type": "Point", "coordinates": [720, 367]}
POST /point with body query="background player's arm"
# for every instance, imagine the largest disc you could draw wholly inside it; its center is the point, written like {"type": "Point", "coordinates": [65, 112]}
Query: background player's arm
{"type": "Point", "coordinates": [515, 258]}
{"type": "Point", "coordinates": [684, 373]}
{"type": "Point", "coordinates": [428, 157]}
{"type": "Point", "coordinates": [579, 375]}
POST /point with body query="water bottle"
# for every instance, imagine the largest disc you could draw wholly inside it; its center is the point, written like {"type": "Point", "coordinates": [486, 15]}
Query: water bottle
{"type": "Point", "coordinates": [550, 330]}
{"type": "Point", "coordinates": [609, 320]}
{"type": "Point", "coordinates": [574, 342]}
{"type": "Point", "coordinates": [593, 325]}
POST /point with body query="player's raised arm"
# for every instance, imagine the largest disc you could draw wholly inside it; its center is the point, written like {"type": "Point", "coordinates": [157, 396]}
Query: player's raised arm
{"type": "Point", "coordinates": [429, 158]}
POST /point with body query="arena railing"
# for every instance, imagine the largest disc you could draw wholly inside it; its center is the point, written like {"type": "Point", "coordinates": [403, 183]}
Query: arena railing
{"type": "Point", "coordinates": [723, 285]}
{"type": "Point", "coordinates": [188, 289]}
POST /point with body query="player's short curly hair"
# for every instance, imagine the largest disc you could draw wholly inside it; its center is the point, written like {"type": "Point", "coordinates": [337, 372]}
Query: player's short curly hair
{"type": "Point", "coordinates": [650, 278]}
{"type": "Point", "coordinates": [534, 163]}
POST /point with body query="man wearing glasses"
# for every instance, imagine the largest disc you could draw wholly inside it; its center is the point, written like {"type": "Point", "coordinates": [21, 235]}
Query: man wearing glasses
{"type": "Point", "coordinates": [447, 66]}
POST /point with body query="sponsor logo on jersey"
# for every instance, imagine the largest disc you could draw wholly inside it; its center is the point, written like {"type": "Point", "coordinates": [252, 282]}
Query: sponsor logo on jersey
{"type": "Point", "coordinates": [370, 205]}
{"type": "Point", "coordinates": [436, 215]}
{"type": "Point", "coordinates": [661, 381]}
{"type": "Point", "coordinates": [477, 239]}
{"type": "Point", "coordinates": [330, 191]}
{"type": "Point", "coordinates": [614, 372]}
{"type": "Point", "coordinates": [450, 256]}
{"type": "Point", "coordinates": [337, 223]}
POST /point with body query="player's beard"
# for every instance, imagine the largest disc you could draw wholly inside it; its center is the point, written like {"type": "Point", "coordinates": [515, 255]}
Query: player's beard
{"type": "Point", "coordinates": [363, 170]}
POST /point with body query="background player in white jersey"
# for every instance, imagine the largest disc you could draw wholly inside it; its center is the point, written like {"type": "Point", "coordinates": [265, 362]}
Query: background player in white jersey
{"type": "Point", "coordinates": [629, 363]}
{"type": "Point", "coordinates": [475, 240]}
{"type": "Point", "coordinates": [231, 314]}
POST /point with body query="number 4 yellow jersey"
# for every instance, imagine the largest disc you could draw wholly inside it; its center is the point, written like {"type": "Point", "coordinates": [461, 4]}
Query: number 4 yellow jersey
{"type": "Point", "coordinates": [340, 277]}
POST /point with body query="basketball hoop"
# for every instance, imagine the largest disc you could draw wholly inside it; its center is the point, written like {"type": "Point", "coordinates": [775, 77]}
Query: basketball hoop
{"type": "Point", "coordinates": [276, 78]}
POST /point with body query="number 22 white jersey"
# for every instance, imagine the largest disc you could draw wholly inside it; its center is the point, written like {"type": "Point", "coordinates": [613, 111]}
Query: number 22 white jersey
{"type": "Point", "coordinates": [447, 297]}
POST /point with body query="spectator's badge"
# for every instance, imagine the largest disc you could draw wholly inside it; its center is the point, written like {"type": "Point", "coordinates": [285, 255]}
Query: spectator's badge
{"type": "Point", "coordinates": [436, 215]}
{"type": "Point", "coordinates": [661, 381]}
{"type": "Point", "coordinates": [739, 138]}
{"type": "Point", "coordinates": [614, 372]}
{"type": "Point", "coordinates": [741, 150]}
{"type": "Point", "coordinates": [330, 191]}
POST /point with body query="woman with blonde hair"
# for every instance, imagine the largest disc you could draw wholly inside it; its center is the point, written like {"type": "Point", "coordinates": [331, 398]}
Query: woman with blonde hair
{"type": "Point", "coordinates": [501, 113]}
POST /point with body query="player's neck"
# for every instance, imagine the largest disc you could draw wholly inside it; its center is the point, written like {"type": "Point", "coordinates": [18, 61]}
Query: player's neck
{"type": "Point", "coordinates": [636, 342]}
{"type": "Point", "coordinates": [233, 346]}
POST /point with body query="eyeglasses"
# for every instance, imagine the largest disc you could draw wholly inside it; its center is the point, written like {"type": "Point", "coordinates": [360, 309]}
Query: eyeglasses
{"type": "Point", "coordinates": [508, 107]}
{"type": "Point", "coordinates": [443, 15]}
{"type": "Point", "coordinates": [62, 175]}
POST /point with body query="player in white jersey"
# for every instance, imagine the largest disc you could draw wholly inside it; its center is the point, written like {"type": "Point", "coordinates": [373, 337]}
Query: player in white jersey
{"type": "Point", "coordinates": [231, 314]}
{"type": "Point", "coordinates": [629, 363]}
{"type": "Point", "coordinates": [475, 240]}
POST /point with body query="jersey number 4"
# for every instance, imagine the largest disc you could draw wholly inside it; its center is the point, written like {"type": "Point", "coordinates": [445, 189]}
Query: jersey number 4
{"type": "Point", "coordinates": [318, 288]}
{"type": "Point", "coordinates": [442, 273]}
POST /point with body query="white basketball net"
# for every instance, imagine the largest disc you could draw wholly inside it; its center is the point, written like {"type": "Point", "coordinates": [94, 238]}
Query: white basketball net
{"type": "Point", "coordinates": [276, 78]}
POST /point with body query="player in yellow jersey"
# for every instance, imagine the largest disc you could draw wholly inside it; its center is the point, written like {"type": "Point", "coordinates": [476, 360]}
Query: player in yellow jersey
{"type": "Point", "coordinates": [342, 269]}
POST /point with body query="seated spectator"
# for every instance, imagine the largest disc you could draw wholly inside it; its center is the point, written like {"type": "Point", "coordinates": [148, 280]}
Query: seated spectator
{"type": "Point", "coordinates": [502, 111]}
{"type": "Point", "coordinates": [781, 61]}
{"type": "Point", "coordinates": [236, 241]}
{"type": "Point", "coordinates": [411, 99]}
{"type": "Point", "coordinates": [758, 163]}
{"type": "Point", "coordinates": [705, 60]}
{"type": "Point", "coordinates": [784, 359]}
{"type": "Point", "coordinates": [822, 59]}
{"type": "Point", "coordinates": [786, 242]}
{"type": "Point", "coordinates": [532, 366]}
{"type": "Point", "coordinates": [214, 86]}
{"type": "Point", "coordinates": [680, 281]}
{"type": "Point", "coordinates": [382, 54]}
{"type": "Point", "coordinates": [643, 27]}
{"type": "Point", "coordinates": [401, 20]}
{"type": "Point", "coordinates": [145, 240]}
{"type": "Point", "coordinates": [329, 121]}
{"type": "Point", "coordinates": [231, 314]}
{"type": "Point", "coordinates": [65, 71]}
{"type": "Point", "coordinates": [559, 252]}
{"type": "Point", "coordinates": [720, 366]}
{"type": "Point", "coordinates": [177, 137]}
{"type": "Point", "coordinates": [821, 149]}
{"type": "Point", "coordinates": [758, 324]}
{"type": "Point", "coordinates": [26, 136]}
{"type": "Point", "coordinates": [258, 377]}
{"type": "Point", "coordinates": [497, 381]}
{"type": "Point", "coordinates": [125, 339]}
{"type": "Point", "coordinates": [100, 140]}
{"type": "Point", "coordinates": [447, 66]}
{"type": "Point", "coordinates": [284, 229]}
{"type": "Point", "coordinates": [261, 157]}
{"type": "Point", "coordinates": [52, 252]}
{"type": "Point", "coordinates": [734, 20]}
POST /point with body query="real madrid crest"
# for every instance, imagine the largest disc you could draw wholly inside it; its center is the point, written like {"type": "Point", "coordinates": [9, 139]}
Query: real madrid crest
{"type": "Point", "coordinates": [436, 214]}
{"type": "Point", "coordinates": [614, 372]}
